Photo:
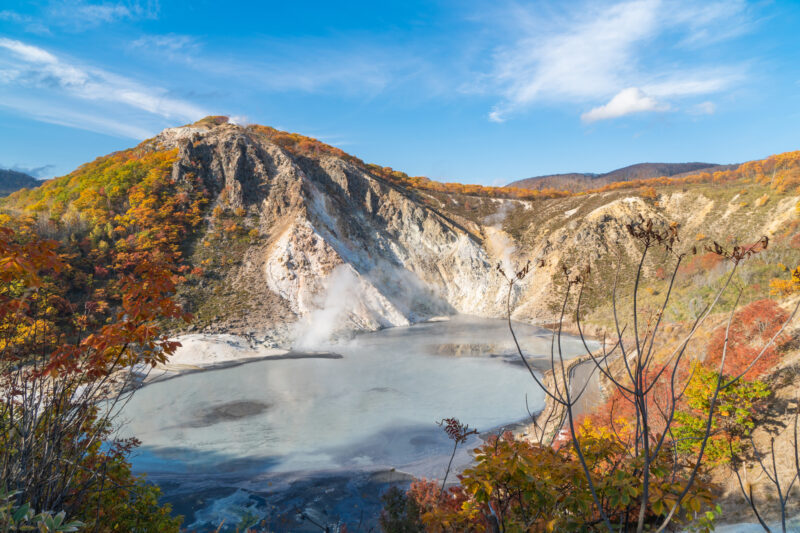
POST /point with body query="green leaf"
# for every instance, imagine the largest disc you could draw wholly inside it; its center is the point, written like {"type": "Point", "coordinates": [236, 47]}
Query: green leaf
{"type": "Point", "coordinates": [20, 513]}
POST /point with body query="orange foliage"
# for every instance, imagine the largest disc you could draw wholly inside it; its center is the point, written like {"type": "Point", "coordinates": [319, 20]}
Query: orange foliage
{"type": "Point", "coordinates": [751, 330]}
{"type": "Point", "coordinates": [780, 172]}
{"type": "Point", "coordinates": [300, 144]}
{"type": "Point", "coordinates": [648, 192]}
{"type": "Point", "coordinates": [133, 208]}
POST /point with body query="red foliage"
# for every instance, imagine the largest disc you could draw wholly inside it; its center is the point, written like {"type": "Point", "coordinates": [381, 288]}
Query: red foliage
{"type": "Point", "coordinates": [619, 409]}
{"type": "Point", "coordinates": [457, 431]}
{"type": "Point", "coordinates": [701, 263]}
{"type": "Point", "coordinates": [751, 330]}
{"type": "Point", "coordinates": [426, 494]}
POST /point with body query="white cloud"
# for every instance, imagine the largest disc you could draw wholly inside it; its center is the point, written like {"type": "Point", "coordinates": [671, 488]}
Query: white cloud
{"type": "Point", "coordinates": [79, 15]}
{"type": "Point", "coordinates": [591, 52]}
{"type": "Point", "coordinates": [28, 52]}
{"type": "Point", "coordinates": [103, 12]}
{"type": "Point", "coordinates": [315, 70]}
{"type": "Point", "coordinates": [495, 115]}
{"type": "Point", "coordinates": [626, 102]}
{"type": "Point", "coordinates": [711, 22]}
{"type": "Point", "coordinates": [704, 108]}
{"type": "Point", "coordinates": [350, 66]}
{"type": "Point", "coordinates": [577, 60]}
{"type": "Point", "coordinates": [55, 79]}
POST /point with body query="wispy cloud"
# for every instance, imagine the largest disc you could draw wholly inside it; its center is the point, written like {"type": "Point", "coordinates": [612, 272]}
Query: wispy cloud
{"type": "Point", "coordinates": [601, 53]}
{"type": "Point", "coordinates": [106, 120]}
{"type": "Point", "coordinates": [82, 14]}
{"type": "Point", "coordinates": [57, 79]}
{"type": "Point", "coordinates": [174, 46]}
{"type": "Point", "coordinates": [44, 171]}
{"type": "Point", "coordinates": [704, 108]}
{"type": "Point", "coordinates": [348, 67]}
{"type": "Point", "coordinates": [29, 23]}
{"type": "Point", "coordinates": [79, 15]}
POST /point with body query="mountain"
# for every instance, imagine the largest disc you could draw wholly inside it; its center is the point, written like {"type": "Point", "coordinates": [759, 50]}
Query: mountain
{"type": "Point", "coordinates": [293, 230]}
{"type": "Point", "coordinates": [582, 181]}
{"type": "Point", "coordinates": [11, 180]}
{"type": "Point", "coordinates": [292, 238]}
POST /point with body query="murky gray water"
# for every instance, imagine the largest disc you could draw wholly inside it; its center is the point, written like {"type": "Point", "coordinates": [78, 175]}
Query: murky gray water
{"type": "Point", "coordinates": [270, 423]}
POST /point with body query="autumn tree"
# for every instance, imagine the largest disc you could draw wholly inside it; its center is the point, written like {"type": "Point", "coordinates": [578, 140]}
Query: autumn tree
{"type": "Point", "coordinates": [77, 316]}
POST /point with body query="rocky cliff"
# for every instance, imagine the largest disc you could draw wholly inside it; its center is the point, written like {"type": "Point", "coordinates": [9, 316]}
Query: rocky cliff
{"type": "Point", "coordinates": [339, 247]}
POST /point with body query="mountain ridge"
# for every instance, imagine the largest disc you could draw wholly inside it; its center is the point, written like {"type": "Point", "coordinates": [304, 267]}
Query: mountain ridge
{"type": "Point", "coordinates": [14, 180]}
{"type": "Point", "coordinates": [581, 181]}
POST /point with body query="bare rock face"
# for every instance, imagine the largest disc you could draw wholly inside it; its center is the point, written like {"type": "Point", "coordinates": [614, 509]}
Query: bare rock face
{"type": "Point", "coordinates": [344, 248]}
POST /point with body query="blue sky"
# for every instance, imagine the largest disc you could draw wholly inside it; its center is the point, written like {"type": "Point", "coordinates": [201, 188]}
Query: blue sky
{"type": "Point", "coordinates": [470, 91]}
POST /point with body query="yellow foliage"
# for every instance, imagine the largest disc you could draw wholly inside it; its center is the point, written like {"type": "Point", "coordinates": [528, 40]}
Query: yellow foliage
{"type": "Point", "coordinates": [784, 287]}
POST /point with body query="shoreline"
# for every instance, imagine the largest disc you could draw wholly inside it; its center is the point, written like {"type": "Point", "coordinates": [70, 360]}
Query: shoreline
{"type": "Point", "coordinates": [172, 371]}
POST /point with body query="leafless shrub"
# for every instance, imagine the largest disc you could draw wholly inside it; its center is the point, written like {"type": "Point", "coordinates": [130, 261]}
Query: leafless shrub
{"type": "Point", "coordinates": [643, 365]}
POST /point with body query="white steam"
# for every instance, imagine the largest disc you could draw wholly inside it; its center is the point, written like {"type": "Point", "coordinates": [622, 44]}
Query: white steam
{"type": "Point", "coordinates": [498, 243]}
{"type": "Point", "coordinates": [502, 247]}
{"type": "Point", "coordinates": [316, 329]}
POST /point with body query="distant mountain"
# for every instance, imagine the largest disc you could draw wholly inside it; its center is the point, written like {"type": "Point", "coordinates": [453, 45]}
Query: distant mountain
{"type": "Point", "coordinates": [11, 180]}
{"type": "Point", "coordinates": [577, 181]}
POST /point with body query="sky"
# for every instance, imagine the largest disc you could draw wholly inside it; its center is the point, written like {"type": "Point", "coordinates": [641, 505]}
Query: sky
{"type": "Point", "coordinates": [471, 91]}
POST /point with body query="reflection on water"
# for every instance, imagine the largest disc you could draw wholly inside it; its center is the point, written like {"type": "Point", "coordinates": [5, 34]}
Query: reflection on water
{"type": "Point", "coordinates": [373, 409]}
{"type": "Point", "coordinates": [465, 349]}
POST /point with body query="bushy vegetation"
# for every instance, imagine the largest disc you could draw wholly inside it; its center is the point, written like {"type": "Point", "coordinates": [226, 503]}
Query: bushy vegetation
{"type": "Point", "coordinates": [644, 461]}
{"type": "Point", "coordinates": [516, 485]}
{"type": "Point", "coordinates": [78, 312]}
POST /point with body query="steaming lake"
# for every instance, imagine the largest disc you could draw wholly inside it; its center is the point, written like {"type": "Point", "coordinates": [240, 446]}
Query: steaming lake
{"type": "Point", "coordinates": [233, 441]}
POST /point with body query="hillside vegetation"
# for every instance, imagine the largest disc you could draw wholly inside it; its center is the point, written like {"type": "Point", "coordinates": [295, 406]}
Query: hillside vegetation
{"type": "Point", "coordinates": [253, 230]}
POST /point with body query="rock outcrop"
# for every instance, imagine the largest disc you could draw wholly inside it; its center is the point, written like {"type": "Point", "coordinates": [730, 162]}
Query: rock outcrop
{"type": "Point", "coordinates": [342, 248]}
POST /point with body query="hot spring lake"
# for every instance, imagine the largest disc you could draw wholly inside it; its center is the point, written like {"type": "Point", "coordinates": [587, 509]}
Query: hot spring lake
{"type": "Point", "coordinates": [266, 439]}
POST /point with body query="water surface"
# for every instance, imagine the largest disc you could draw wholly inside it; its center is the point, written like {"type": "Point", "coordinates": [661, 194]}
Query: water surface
{"type": "Point", "coordinates": [264, 425]}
